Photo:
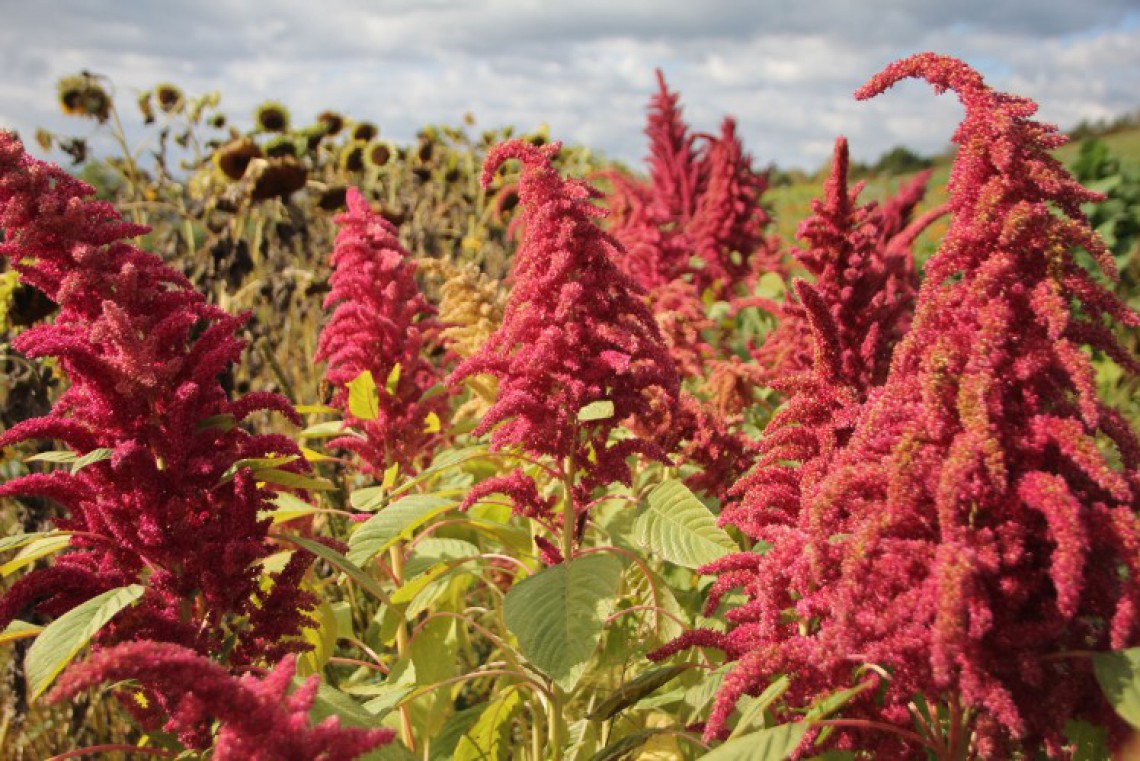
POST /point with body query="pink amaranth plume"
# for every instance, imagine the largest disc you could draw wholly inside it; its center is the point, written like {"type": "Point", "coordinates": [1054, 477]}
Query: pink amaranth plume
{"type": "Point", "coordinates": [864, 271]}
{"type": "Point", "coordinates": [971, 539]}
{"type": "Point", "coordinates": [575, 331]}
{"type": "Point", "coordinates": [698, 202]}
{"type": "Point", "coordinates": [259, 719]}
{"type": "Point", "coordinates": [143, 353]}
{"type": "Point", "coordinates": [380, 320]}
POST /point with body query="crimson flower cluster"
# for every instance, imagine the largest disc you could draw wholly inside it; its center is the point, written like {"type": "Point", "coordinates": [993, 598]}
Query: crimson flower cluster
{"type": "Point", "coordinates": [702, 200]}
{"type": "Point", "coordinates": [259, 719]}
{"type": "Point", "coordinates": [970, 541]}
{"type": "Point", "coordinates": [861, 259]}
{"type": "Point", "coordinates": [575, 331]}
{"type": "Point", "coordinates": [380, 323]}
{"type": "Point", "coordinates": [169, 505]}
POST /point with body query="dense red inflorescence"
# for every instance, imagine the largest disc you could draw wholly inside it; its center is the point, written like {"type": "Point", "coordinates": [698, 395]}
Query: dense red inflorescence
{"type": "Point", "coordinates": [260, 719]}
{"type": "Point", "coordinates": [861, 259]}
{"type": "Point", "coordinates": [380, 321]}
{"type": "Point", "coordinates": [971, 539]}
{"type": "Point", "coordinates": [575, 331]}
{"type": "Point", "coordinates": [169, 504]}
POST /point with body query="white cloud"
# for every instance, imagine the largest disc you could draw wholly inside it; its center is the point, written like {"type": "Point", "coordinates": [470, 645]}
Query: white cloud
{"type": "Point", "coordinates": [786, 71]}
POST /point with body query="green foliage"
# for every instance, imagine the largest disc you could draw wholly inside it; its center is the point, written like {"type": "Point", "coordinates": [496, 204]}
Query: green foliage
{"type": "Point", "coordinates": [676, 526]}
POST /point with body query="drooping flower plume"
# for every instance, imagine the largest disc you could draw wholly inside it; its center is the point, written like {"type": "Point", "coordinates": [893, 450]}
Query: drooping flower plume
{"type": "Point", "coordinates": [260, 719]}
{"type": "Point", "coordinates": [950, 542]}
{"type": "Point", "coordinates": [166, 501]}
{"type": "Point", "coordinates": [382, 324]}
{"type": "Point", "coordinates": [575, 331]}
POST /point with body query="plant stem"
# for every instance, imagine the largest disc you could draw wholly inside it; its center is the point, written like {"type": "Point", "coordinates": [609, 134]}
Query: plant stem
{"type": "Point", "coordinates": [402, 648]}
{"type": "Point", "coordinates": [557, 720]}
{"type": "Point", "coordinates": [568, 517]}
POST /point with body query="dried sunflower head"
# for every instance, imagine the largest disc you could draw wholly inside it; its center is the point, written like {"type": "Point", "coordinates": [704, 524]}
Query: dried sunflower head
{"type": "Point", "coordinates": [271, 117]}
{"type": "Point", "coordinates": [233, 158]}
{"type": "Point", "coordinates": [82, 95]}
{"type": "Point", "coordinates": [170, 98]}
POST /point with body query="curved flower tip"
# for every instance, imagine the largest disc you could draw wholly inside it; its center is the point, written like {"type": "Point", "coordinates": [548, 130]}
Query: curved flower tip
{"type": "Point", "coordinates": [942, 71]}
{"type": "Point", "coordinates": [528, 153]}
{"type": "Point", "coordinates": [259, 720]}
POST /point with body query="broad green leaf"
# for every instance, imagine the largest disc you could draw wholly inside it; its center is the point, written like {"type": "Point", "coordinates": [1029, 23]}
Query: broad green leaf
{"type": "Point", "coordinates": [54, 456]}
{"type": "Point", "coordinates": [603, 409]}
{"type": "Point", "coordinates": [434, 549]}
{"type": "Point", "coordinates": [19, 630]}
{"type": "Point", "coordinates": [429, 648]}
{"type": "Point", "coordinates": [410, 589]}
{"type": "Point", "coordinates": [330, 701]}
{"type": "Point", "coordinates": [581, 740]}
{"type": "Point", "coordinates": [363, 398]}
{"type": "Point", "coordinates": [34, 550]}
{"type": "Point", "coordinates": [634, 690]}
{"type": "Point", "coordinates": [676, 526]}
{"type": "Point", "coordinates": [772, 744]}
{"type": "Point", "coordinates": [1118, 673]}
{"type": "Point", "coordinates": [395, 522]}
{"type": "Point", "coordinates": [63, 638]}
{"type": "Point", "coordinates": [835, 701]}
{"type": "Point", "coordinates": [390, 474]}
{"type": "Point", "coordinates": [340, 562]}
{"type": "Point", "coordinates": [489, 737]}
{"type": "Point", "coordinates": [369, 499]}
{"type": "Point", "coordinates": [558, 614]}
{"type": "Point", "coordinates": [757, 706]}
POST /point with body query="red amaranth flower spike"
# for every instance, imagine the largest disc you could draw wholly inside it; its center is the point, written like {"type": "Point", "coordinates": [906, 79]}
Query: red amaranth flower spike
{"type": "Point", "coordinates": [260, 719]}
{"type": "Point", "coordinates": [142, 352]}
{"type": "Point", "coordinates": [864, 271]}
{"type": "Point", "coordinates": [575, 331]}
{"type": "Point", "coordinates": [380, 320]}
{"type": "Point", "coordinates": [948, 542]}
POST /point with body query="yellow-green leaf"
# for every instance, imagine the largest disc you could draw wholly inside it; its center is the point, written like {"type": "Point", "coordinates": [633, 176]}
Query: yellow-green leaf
{"type": "Point", "coordinates": [392, 382]}
{"type": "Point", "coordinates": [1118, 673]}
{"type": "Point", "coordinates": [395, 522]}
{"type": "Point", "coordinates": [489, 738]}
{"type": "Point", "coordinates": [19, 630]}
{"type": "Point", "coordinates": [33, 551]}
{"type": "Point", "coordinates": [63, 638]}
{"type": "Point", "coordinates": [559, 613]}
{"type": "Point", "coordinates": [772, 744]}
{"type": "Point", "coordinates": [677, 526]}
{"type": "Point", "coordinates": [603, 409]}
{"type": "Point", "coordinates": [363, 398]}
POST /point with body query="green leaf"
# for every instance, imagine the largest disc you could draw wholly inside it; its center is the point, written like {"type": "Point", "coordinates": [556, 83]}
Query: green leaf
{"type": "Point", "coordinates": [435, 549]}
{"type": "Point", "coordinates": [1090, 742]}
{"type": "Point", "coordinates": [63, 638]}
{"type": "Point", "coordinates": [315, 409]}
{"type": "Point", "coordinates": [620, 749]}
{"type": "Point", "coordinates": [322, 636]}
{"type": "Point", "coordinates": [773, 744]}
{"type": "Point", "coordinates": [559, 613]}
{"type": "Point", "coordinates": [340, 562]}
{"type": "Point", "coordinates": [256, 464]}
{"type": "Point", "coordinates": [34, 550]}
{"type": "Point", "coordinates": [330, 701]}
{"type": "Point", "coordinates": [326, 430]}
{"type": "Point", "coordinates": [292, 480]}
{"type": "Point", "coordinates": [634, 690]}
{"type": "Point", "coordinates": [1118, 673]}
{"type": "Point", "coordinates": [393, 523]}
{"type": "Point", "coordinates": [757, 706]}
{"type": "Point", "coordinates": [393, 380]}
{"type": "Point", "coordinates": [489, 737]}
{"type": "Point", "coordinates": [289, 507]}
{"type": "Point", "coordinates": [363, 398]}
{"type": "Point", "coordinates": [676, 526]}
{"type": "Point", "coordinates": [603, 409]}
{"type": "Point", "coordinates": [443, 745]}
{"type": "Point", "coordinates": [387, 698]}
{"type": "Point", "coordinates": [95, 455]}
{"type": "Point", "coordinates": [19, 540]}
{"type": "Point", "coordinates": [19, 630]}
{"type": "Point", "coordinates": [369, 499]}
{"type": "Point", "coordinates": [835, 701]}
{"type": "Point", "coordinates": [444, 461]}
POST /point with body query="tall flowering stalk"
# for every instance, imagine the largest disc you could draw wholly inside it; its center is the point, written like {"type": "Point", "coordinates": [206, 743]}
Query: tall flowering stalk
{"type": "Point", "coordinates": [862, 262]}
{"type": "Point", "coordinates": [702, 200]}
{"type": "Point", "coordinates": [170, 505]}
{"type": "Point", "coordinates": [971, 541]}
{"type": "Point", "coordinates": [575, 331]}
{"type": "Point", "coordinates": [382, 324]}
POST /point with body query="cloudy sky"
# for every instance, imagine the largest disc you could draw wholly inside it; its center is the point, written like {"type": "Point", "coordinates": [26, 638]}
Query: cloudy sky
{"type": "Point", "coordinates": [785, 70]}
